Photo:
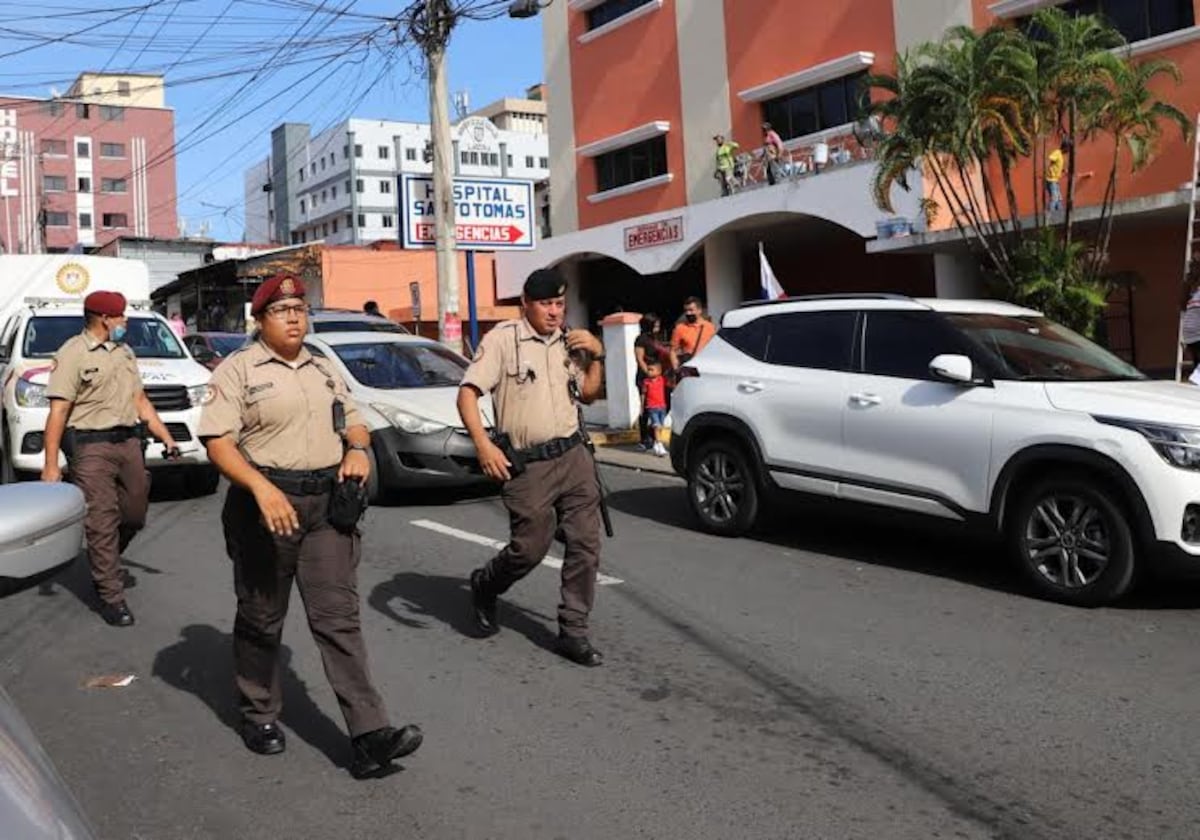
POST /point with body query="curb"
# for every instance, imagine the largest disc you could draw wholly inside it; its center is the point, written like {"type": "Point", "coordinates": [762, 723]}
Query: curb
{"type": "Point", "coordinates": [614, 437]}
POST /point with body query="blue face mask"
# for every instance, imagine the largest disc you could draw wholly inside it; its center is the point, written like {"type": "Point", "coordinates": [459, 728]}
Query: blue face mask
{"type": "Point", "coordinates": [117, 333]}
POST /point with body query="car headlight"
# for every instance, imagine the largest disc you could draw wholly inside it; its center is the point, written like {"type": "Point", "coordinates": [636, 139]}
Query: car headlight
{"type": "Point", "coordinates": [1179, 446]}
{"type": "Point", "coordinates": [407, 422]}
{"type": "Point", "coordinates": [196, 394]}
{"type": "Point", "coordinates": [30, 395]}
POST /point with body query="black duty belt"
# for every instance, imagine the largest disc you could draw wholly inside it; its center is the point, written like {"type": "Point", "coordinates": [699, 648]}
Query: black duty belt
{"type": "Point", "coordinates": [552, 449]}
{"type": "Point", "coordinates": [302, 482]}
{"type": "Point", "coordinates": [117, 434]}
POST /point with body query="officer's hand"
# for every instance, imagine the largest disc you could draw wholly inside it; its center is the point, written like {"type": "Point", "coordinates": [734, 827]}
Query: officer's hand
{"type": "Point", "coordinates": [584, 340]}
{"type": "Point", "coordinates": [277, 512]}
{"type": "Point", "coordinates": [52, 473]}
{"type": "Point", "coordinates": [493, 462]}
{"type": "Point", "coordinates": [355, 464]}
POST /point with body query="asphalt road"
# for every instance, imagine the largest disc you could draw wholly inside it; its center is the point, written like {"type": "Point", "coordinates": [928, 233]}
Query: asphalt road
{"type": "Point", "coordinates": [834, 677]}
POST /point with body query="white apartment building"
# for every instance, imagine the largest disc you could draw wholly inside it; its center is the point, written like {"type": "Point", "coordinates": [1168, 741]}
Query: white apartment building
{"type": "Point", "coordinates": [341, 186]}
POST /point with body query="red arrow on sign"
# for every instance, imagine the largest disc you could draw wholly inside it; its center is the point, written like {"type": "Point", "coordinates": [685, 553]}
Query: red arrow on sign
{"type": "Point", "coordinates": [488, 233]}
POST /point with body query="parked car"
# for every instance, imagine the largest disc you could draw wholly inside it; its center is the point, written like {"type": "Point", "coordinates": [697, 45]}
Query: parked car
{"type": "Point", "coordinates": [41, 528]}
{"type": "Point", "coordinates": [407, 388]}
{"type": "Point", "coordinates": [351, 320]}
{"type": "Point", "coordinates": [970, 411]}
{"type": "Point", "coordinates": [211, 348]}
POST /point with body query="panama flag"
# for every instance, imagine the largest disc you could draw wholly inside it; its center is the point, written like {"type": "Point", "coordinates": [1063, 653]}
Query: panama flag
{"type": "Point", "coordinates": [771, 290]}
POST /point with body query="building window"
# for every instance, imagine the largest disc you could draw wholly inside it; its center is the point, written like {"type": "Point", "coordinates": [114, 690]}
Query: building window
{"type": "Point", "coordinates": [57, 218]}
{"type": "Point", "coordinates": [640, 162]}
{"type": "Point", "coordinates": [82, 111]}
{"type": "Point", "coordinates": [610, 10]}
{"type": "Point", "coordinates": [359, 185]}
{"type": "Point", "coordinates": [334, 226]}
{"type": "Point", "coordinates": [464, 158]}
{"type": "Point", "coordinates": [123, 88]}
{"type": "Point", "coordinates": [346, 152]}
{"type": "Point", "coordinates": [807, 111]}
{"type": "Point", "coordinates": [113, 185]}
{"type": "Point", "coordinates": [112, 150]}
{"type": "Point", "coordinates": [358, 150]}
{"type": "Point", "coordinates": [324, 196]}
{"type": "Point", "coordinates": [387, 220]}
{"type": "Point", "coordinates": [295, 238]}
{"type": "Point", "coordinates": [322, 163]}
{"type": "Point", "coordinates": [385, 187]}
{"type": "Point", "coordinates": [410, 154]}
{"type": "Point", "coordinates": [53, 108]}
{"type": "Point", "coordinates": [302, 208]}
{"type": "Point", "coordinates": [302, 174]}
{"type": "Point", "coordinates": [54, 147]}
{"type": "Point", "coordinates": [384, 153]}
{"type": "Point", "coordinates": [333, 193]}
{"type": "Point", "coordinates": [1136, 20]}
{"type": "Point", "coordinates": [314, 167]}
{"type": "Point", "coordinates": [362, 220]}
{"type": "Point", "coordinates": [85, 221]}
{"type": "Point", "coordinates": [115, 220]}
{"type": "Point", "coordinates": [112, 113]}
{"type": "Point", "coordinates": [54, 183]}
{"type": "Point", "coordinates": [85, 185]}
{"type": "Point", "coordinates": [529, 161]}
{"type": "Point", "coordinates": [83, 149]}
{"type": "Point", "coordinates": [544, 163]}
{"type": "Point", "coordinates": [347, 186]}
{"type": "Point", "coordinates": [510, 161]}
{"type": "Point", "coordinates": [349, 221]}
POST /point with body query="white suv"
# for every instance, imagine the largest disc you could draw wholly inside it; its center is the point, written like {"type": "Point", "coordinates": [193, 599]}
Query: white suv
{"type": "Point", "coordinates": [971, 411]}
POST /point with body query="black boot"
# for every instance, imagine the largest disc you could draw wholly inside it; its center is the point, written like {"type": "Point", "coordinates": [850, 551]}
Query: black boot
{"type": "Point", "coordinates": [116, 615]}
{"type": "Point", "coordinates": [374, 751]}
{"type": "Point", "coordinates": [483, 606]}
{"type": "Point", "coordinates": [263, 738]}
{"type": "Point", "coordinates": [579, 650]}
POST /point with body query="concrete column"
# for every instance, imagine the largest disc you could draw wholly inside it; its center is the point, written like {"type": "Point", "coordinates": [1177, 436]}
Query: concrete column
{"type": "Point", "coordinates": [957, 276]}
{"type": "Point", "coordinates": [577, 308]}
{"type": "Point", "coordinates": [620, 370]}
{"type": "Point", "coordinates": [704, 93]}
{"type": "Point", "coordinates": [722, 274]}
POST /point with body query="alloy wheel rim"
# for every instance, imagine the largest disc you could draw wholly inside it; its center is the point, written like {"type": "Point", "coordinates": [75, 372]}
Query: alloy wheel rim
{"type": "Point", "coordinates": [1067, 541]}
{"type": "Point", "coordinates": [719, 487]}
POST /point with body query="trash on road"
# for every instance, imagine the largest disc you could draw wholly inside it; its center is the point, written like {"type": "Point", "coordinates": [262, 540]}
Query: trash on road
{"type": "Point", "coordinates": [110, 681]}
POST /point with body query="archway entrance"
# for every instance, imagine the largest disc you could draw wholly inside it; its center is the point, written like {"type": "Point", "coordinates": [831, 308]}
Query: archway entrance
{"type": "Point", "coordinates": [610, 286]}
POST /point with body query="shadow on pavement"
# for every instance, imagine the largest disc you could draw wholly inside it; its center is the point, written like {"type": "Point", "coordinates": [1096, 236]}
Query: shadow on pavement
{"type": "Point", "coordinates": [201, 664]}
{"type": "Point", "coordinates": [448, 600]}
{"type": "Point", "coordinates": [885, 538]}
{"type": "Point", "coordinates": [439, 496]}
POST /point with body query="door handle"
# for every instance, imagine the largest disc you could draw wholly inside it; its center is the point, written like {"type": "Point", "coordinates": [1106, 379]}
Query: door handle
{"type": "Point", "coordinates": [865, 399]}
{"type": "Point", "coordinates": [750, 386]}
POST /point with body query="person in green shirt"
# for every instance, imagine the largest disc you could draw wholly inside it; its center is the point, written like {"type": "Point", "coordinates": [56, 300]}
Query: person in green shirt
{"type": "Point", "coordinates": [725, 163]}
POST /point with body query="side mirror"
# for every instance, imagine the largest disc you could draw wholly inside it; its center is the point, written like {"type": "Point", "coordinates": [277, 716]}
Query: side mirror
{"type": "Point", "coordinates": [203, 355]}
{"type": "Point", "coordinates": [952, 368]}
{"type": "Point", "coordinates": [41, 528]}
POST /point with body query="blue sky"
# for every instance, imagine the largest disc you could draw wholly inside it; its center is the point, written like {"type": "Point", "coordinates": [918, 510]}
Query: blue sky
{"type": "Point", "coordinates": [221, 128]}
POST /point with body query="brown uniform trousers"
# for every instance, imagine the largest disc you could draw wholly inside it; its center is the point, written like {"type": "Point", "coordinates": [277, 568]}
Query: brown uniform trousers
{"type": "Point", "coordinates": [324, 563]}
{"type": "Point", "coordinates": [561, 493]}
{"type": "Point", "coordinates": [116, 486]}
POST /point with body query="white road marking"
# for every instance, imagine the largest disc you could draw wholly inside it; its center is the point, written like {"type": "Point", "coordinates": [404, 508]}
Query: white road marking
{"type": "Point", "coordinates": [478, 539]}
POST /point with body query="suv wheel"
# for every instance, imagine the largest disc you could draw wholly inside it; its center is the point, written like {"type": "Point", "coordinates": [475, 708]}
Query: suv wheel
{"type": "Point", "coordinates": [722, 488]}
{"type": "Point", "coordinates": [1073, 541]}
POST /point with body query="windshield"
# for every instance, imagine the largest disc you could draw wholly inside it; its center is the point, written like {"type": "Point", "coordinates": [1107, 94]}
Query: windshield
{"type": "Point", "coordinates": [365, 325]}
{"type": "Point", "coordinates": [223, 345]}
{"type": "Point", "coordinates": [148, 338]}
{"type": "Point", "coordinates": [1035, 348]}
{"type": "Point", "coordinates": [391, 366]}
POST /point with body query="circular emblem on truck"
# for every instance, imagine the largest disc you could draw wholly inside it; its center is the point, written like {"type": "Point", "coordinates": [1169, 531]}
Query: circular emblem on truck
{"type": "Point", "coordinates": [72, 278]}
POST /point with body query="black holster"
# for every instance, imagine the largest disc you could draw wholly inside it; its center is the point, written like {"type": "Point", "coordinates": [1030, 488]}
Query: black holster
{"type": "Point", "coordinates": [515, 459]}
{"type": "Point", "coordinates": [347, 504]}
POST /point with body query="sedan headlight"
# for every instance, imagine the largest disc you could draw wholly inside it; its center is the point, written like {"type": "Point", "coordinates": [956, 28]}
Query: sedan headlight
{"type": "Point", "coordinates": [30, 395]}
{"type": "Point", "coordinates": [196, 394]}
{"type": "Point", "coordinates": [1179, 446]}
{"type": "Point", "coordinates": [406, 422]}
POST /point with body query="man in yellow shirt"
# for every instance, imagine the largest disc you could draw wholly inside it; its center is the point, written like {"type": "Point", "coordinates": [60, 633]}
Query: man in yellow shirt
{"type": "Point", "coordinates": [1055, 164]}
{"type": "Point", "coordinates": [726, 162]}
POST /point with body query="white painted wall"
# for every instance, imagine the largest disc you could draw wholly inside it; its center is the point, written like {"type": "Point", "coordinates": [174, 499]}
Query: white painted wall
{"type": "Point", "coordinates": [920, 21]}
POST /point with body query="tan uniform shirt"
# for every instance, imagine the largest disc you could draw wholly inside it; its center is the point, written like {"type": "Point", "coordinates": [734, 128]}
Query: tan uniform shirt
{"type": "Point", "coordinates": [100, 378]}
{"type": "Point", "coordinates": [279, 413]}
{"type": "Point", "coordinates": [527, 376]}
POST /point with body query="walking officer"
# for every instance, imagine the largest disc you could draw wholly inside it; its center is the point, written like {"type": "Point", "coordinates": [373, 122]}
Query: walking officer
{"type": "Point", "coordinates": [281, 426]}
{"type": "Point", "coordinates": [535, 371]}
{"type": "Point", "coordinates": [96, 405]}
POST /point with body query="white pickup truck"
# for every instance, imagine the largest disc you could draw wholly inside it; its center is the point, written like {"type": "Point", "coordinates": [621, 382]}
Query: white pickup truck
{"type": "Point", "coordinates": [44, 308]}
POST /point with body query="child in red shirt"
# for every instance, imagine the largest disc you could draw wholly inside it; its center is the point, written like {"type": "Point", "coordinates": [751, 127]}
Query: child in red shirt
{"type": "Point", "coordinates": [654, 403]}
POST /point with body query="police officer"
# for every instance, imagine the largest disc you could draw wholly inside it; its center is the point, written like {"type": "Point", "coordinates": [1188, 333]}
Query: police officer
{"type": "Point", "coordinates": [281, 426]}
{"type": "Point", "coordinates": [534, 372]}
{"type": "Point", "coordinates": [96, 404]}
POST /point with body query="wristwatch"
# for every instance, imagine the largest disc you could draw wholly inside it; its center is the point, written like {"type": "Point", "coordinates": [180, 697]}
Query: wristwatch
{"type": "Point", "coordinates": [358, 447]}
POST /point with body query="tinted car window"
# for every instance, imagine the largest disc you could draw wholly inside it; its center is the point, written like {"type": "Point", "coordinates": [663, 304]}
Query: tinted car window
{"type": "Point", "coordinates": [148, 338]}
{"type": "Point", "coordinates": [402, 365]}
{"type": "Point", "coordinates": [902, 344]}
{"type": "Point", "coordinates": [750, 338]}
{"type": "Point", "coordinates": [820, 340]}
{"type": "Point", "coordinates": [357, 326]}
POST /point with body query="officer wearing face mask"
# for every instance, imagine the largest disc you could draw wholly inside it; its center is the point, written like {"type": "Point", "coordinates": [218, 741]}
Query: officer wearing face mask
{"type": "Point", "coordinates": [97, 404]}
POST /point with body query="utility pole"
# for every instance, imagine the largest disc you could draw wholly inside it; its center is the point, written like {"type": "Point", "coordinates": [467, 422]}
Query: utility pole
{"type": "Point", "coordinates": [431, 30]}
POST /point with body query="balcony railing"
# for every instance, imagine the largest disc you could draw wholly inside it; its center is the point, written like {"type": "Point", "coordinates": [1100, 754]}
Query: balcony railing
{"type": "Point", "coordinates": [799, 162]}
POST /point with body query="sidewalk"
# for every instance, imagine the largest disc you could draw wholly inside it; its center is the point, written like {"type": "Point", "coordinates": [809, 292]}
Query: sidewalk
{"type": "Point", "coordinates": [632, 458]}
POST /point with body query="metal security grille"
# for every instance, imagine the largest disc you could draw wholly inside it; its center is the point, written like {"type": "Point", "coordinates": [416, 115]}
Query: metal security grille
{"type": "Point", "coordinates": [168, 397]}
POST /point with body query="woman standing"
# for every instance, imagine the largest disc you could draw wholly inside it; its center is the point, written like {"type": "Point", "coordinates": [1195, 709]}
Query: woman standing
{"type": "Point", "coordinates": [649, 348]}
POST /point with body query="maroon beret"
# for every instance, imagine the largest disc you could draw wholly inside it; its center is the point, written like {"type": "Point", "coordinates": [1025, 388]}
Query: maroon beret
{"type": "Point", "coordinates": [279, 287]}
{"type": "Point", "coordinates": [105, 303]}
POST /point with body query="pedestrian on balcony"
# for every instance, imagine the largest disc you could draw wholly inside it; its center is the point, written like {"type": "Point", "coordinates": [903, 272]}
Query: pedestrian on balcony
{"type": "Point", "coordinates": [773, 152]}
{"type": "Point", "coordinates": [726, 163]}
{"type": "Point", "coordinates": [97, 408]}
